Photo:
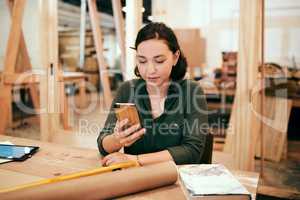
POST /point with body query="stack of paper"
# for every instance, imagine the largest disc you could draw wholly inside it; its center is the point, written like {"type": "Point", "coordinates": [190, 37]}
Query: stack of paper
{"type": "Point", "coordinates": [210, 180]}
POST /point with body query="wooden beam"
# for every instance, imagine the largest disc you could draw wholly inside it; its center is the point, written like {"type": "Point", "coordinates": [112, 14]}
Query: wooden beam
{"type": "Point", "coordinates": [19, 64]}
{"type": "Point", "coordinates": [49, 86]}
{"type": "Point", "coordinates": [276, 112]}
{"type": "Point", "coordinates": [103, 72]}
{"type": "Point", "coordinates": [25, 62]}
{"type": "Point", "coordinates": [64, 109]}
{"type": "Point", "coordinates": [133, 24]}
{"type": "Point", "coordinates": [82, 93]}
{"type": "Point", "coordinates": [230, 133]}
{"type": "Point", "coordinates": [72, 77]}
{"type": "Point", "coordinates": [120, 29]}
{"type": "Point", "coordinates": [82, 33]}
{"type": "Point", "coordinates": [262, 85]}
{"type": "Point", "coordinates": [11, 54]}
{"type": "Point", "coordinates": [14, 37]}
{"type": "Point", "coordinates": [3, 116]}
{"type": "Point", "coordinates": [45, 126]}
{"type": "Point", "coordinates": [20, 79]}
{"type": "Point", "coordinates": [246, 126]}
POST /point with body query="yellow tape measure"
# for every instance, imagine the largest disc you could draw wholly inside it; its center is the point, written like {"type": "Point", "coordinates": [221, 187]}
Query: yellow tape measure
{"type": "Point", "coordinates": [100, 170]}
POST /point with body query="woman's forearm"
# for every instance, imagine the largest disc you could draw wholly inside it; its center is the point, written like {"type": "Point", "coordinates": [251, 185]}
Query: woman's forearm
{"type": "Point", "coordinates": [110, 144]}
{"type": "Point", "coordinates": [151, 158]}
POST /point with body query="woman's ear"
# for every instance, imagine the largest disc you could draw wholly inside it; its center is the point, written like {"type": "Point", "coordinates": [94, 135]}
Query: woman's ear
{"type": "Point", "coordinates": [176, 56]}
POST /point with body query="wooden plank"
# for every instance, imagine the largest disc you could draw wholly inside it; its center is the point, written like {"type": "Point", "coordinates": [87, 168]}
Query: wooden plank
{"type": "Point", "coordinates": [49, 87]}
{"type": "Point", "coordinates": [14, 37]}
{"type": "Point", "coordinates": [23, 61]}
{"type": "Point", "coordinates": [20, 79]}
{"type": "Point", "coordinates": [275, 121]}
{"type": "Point", "coordinates": [44, 123]}
{"type": "Point", "coordinates": [6, 98]}
{"type": "Point", "coordinates": [82, 33]}
{"type": "Point", "coordinates": [120, 29]}
{"type": "Point", "coordinates": [230, 134]}
{"type": "Point", "coordinates": [11, 54]}
{"type": "Point", "coordinates": [71, 77]}
{"type": "Point", "coordinates": [278, 192]}
{"type": "Point", "coordinates": [195, 56]}
{"type": "Point", "coordinates": [52, 159]}
{"type": "Point", "coordinates": [23, 54]}
{"type": "Point", "coordinates": [103, 72]}
{"type": "Point", "coordinates": [16, 178]}
{"type": "Point", "coordinates": [133, 23]}
{"type": "Point", "coordinates": [64, 108]}
{"type": "Point", "coordinates": [219, 105]}
{"type": "Point", "coordinates": [246, 125]}
{"type": "Point", "coordinates": [262, 85]}
{"type": "Point", "coordinates": [3, 116]}
{"type": "Point", "coordinates": [82, 93]}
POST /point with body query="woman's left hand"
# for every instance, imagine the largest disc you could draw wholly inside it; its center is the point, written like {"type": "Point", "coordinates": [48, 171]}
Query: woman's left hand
{"type": "Point", "coordinates": [117, 157]}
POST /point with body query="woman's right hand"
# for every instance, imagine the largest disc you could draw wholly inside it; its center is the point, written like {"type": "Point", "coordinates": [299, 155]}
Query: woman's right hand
{"type": "Point", "coordinates": [128, 136]}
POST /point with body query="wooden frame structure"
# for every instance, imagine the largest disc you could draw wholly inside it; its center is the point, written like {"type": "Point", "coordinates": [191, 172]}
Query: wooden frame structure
{"type": "Point", "coordinates": [255, 117]}
{"type": "Point", "coordinates": [16, 61]}
{"type": "Point", "coordinates": [17, 71]}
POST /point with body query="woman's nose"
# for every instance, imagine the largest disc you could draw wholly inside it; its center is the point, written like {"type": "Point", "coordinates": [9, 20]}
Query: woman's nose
{"type": "Point", "coordinates": [151, 68]}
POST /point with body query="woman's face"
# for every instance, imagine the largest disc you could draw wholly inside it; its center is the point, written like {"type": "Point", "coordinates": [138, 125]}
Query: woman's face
{"type": "Point", "coordinates": [155, 61]}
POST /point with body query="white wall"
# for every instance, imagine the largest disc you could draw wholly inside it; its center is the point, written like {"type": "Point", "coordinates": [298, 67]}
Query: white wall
{"type": "Point", "coordinates": [30, 30]}
{"type": "Point", "coordinates": [218, 22]}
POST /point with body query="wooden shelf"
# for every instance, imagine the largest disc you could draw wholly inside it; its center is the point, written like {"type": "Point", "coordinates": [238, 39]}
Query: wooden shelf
{"type": "Point", "coordinates": [218, 106]}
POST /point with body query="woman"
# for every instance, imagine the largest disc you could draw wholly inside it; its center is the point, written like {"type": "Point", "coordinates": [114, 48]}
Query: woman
{"type": "Point", "coordinates": [172, 109]}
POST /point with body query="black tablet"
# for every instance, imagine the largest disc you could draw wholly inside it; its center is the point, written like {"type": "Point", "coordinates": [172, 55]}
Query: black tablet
{"type": "Point", "coordinates": [16, 152]}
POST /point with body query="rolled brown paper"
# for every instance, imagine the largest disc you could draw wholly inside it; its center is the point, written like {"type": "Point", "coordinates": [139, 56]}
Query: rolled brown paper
{"type": "Point", "coordinates": [102, 186]}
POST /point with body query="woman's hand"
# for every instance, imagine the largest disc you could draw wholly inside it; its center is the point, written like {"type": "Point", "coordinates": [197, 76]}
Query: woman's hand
{"type": "Point", "coordinates": [117, 157]}
{"type": "Point", "coordinates": [128, 136]}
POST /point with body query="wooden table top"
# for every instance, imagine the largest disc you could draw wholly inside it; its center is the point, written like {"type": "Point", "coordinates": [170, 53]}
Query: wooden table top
{"type": "Point", "coordinates": [53, 160]}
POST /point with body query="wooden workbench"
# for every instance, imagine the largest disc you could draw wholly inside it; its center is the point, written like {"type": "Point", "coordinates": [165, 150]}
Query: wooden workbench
{"type": "Point", "coordinates": [54, 160]}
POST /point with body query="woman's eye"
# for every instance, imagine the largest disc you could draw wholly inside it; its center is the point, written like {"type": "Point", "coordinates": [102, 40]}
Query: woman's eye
{"type": "Point", "coordinates": [142, 61]}
{"type": "Point", "coordinates": [160, 61]}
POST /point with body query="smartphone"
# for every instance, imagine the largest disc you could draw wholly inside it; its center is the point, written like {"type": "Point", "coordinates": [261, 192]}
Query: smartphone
{"type": "Point", "coordinates": [127, 111]}
{"type": "Point", "coordinates": [17, 152]}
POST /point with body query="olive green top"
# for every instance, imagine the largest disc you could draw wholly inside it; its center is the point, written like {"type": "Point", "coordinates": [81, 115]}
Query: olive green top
{"type": "Point", "coordinates": [181, 129]}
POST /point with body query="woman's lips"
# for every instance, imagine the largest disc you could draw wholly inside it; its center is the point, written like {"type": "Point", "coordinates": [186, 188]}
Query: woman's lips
{"type": "Point", "coordinates": [156, 77]}
{"type": "Point", "coordinates": [153, 78]}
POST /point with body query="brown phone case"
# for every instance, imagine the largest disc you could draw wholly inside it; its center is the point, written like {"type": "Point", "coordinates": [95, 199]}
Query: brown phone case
{"type": "Point", "coordinates": [127, 111]}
